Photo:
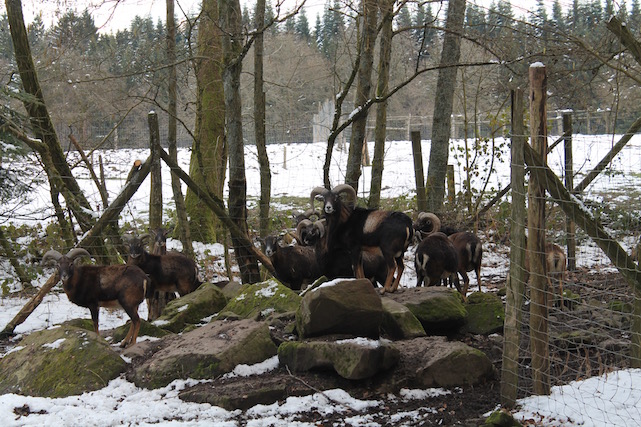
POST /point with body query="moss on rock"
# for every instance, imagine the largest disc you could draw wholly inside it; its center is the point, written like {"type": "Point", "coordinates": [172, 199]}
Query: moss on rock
{"type": "Point", "coordinates": [263, 299]}
{"type": "Point", "coordinates": [192, 308]}
{"type": "Point", "coordinates": [439, 310]}
{"type": "Point", "coordinates": [59, 362]}
{"type": "Point", "coordinates": [485, 314]}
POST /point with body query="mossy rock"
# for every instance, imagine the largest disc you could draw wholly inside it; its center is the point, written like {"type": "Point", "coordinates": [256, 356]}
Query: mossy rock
{"type": "Point", "coordinates": [86, 324]}
{"type": "Point", "coordinates": [485, 314]}
{"type": "Point", "coordinates": [59, 362]}
{"type": "Point", "coordinates": [146, 329]}
{"type": "Point", "coordinates": [399, 322]}
{"type": "Point", "coordinates": [207, 352]}
{"type": "Point", "coordinates": [620, 306]}
{"type": "Point", "coordinates": [262, 299]}
{"type": "Point", "coordinates": [192, 308]}
{"type": "Point", "coordinates": [439, 309]}
{"type": "Point", "coordinates": [501, 419]}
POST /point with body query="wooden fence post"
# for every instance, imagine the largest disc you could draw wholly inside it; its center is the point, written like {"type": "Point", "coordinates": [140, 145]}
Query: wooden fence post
{"type": "Point", "coordinates": [421, 201]}
{"type": "Point", "coordinates": [539, 338]}
{"type": "Point", "coordinates": [515, 284]}
{"type": "Point", "coordinates": [155, 197]}
{"type": "Point", "coordinates": [570, 228]}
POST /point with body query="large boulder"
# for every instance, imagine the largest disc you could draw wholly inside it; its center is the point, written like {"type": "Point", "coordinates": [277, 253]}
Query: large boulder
{"type": "Point", "coordinates": [399, 322]}
{"type": "Point", "coordinates": [341, 306]}
{"type": "Point", "coordinates": [261, 300]}
{"type": "Point", "coordinates": [206, 352]}
{"type": "Point", "coordinates": [192, 308]}
{"type": "Point", "coordinates": [58, 362]}
{"type": "Point", "coordinates": [354, 359]}
{"type": "Point", "coordinates": [485, 314]}
{"type": "Point", "coordinates": [443, 363]}
{"type": "Point", "coordinates": [439, 309]}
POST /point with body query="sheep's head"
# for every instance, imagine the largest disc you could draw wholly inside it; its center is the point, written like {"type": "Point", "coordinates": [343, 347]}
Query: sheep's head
{"type": "Point", "coordinates": [426, 224]}
{"type": "Point", "coordinates": [136, 245]}
{"type": "Point", "coordinates": [270, 244]}
{"type": "Point", "coordinates": [65, 262]}
{"type": "Point", "coordinates": [312, 232]}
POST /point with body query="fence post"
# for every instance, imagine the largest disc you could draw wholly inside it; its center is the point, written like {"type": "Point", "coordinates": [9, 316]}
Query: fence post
{"type": "Point", "coordinates": [156, 302]}
{"type": "Point", "coordinates": [570, 228]}
{"type": "Point", "coordinates": [515, 283]}
{"type": "Point", "coordinates": [155, 197]}
{"type": "Point", "coordinates": [421, 201]}
{"type": "Point", "coordinates": [539, 339]}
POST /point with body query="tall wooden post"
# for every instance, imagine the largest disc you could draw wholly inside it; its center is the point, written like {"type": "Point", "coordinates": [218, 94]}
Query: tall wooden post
{"type": "Point", "coordinates": [157, 302]}
{"type": "Point", "coordinates": [155, 197]}
{"type": "Point", "coordinates": [417, 152]}
{"type": "Point", "coordinates": [570, 228]}
{"type": "Point", "coordinates": [539, 339]}
{"type": "Point", "coordinates": [515, 285]}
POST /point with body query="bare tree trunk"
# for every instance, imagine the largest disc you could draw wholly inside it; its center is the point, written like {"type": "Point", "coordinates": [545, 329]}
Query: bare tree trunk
{"type": "Point", "coordinates": [10, 254]}
{"type": "Point", "coordinates": [158, 300]}
{"type": "Point", "coordinates": [382, 84]}
{"type": "Point", "coordinates": [209, 154]}
{"type": "Point", "coordinates": [232, 41]}
{"type": "Point", "coordinates": [182, 223]}
{"type": "Point", "coordinates": [516, 281]}
{"type": "Point", "coordinates": [363, 90]}
{"type": "Point", "coordinates": [443, 106]}
{"type": "Point", "coordinates": [259, 121]}
{"type": "Point", "coordinates": [58, 170]}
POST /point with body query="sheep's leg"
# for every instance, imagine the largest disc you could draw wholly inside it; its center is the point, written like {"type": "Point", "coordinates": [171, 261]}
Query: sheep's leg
{"type": "Point", "coordinates": [389, 280]}
{"type": "Point", "coordinates": [478, 275]}
{"type": "Point", "coordinates": [357, 265]}
{"type": "Point", "coordinates": [466, 283]}
{"type": "Point", "coordinates": [400, 267]}
{"type": "Point", "coordinates": [94, 317]}
{"type": "Point", "coordinates": [134, 329]}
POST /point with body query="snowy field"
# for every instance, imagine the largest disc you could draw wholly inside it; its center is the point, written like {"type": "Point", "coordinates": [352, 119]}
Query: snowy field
{"type": "Point", "coordinates": [611, 400]}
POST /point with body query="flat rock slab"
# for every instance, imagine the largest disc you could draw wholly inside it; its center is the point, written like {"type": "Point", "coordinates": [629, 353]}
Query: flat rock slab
{"type": "Point", "coordinates": [353, 359]}
{"type": "Point", "coordinates": [443, 363]}
{"type": "Point", "coordinates": [207, 352]}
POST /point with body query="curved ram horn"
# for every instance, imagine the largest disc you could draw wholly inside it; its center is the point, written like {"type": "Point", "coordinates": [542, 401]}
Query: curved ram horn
{"type": "Point", "coordinates": [303, 224]}
{"type": "Point", "coordinates": [320, 224]}
{"type": "Point", "coordinates": [317, 191]}
{"type": "Point", "coordinates": [51, 255]}
{"type": "Point", "coordinates": [348, 190]}
{"type": "Point", "coordinates": [144, 237]}
{"type": "Point", "coordinates": [76, 252]}
{"type": "Point", "coordinates": [430, 218]}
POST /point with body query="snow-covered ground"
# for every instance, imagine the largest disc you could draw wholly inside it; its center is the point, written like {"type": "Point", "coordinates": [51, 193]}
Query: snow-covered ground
{"type": "Point", "coordinates": [612, 400]}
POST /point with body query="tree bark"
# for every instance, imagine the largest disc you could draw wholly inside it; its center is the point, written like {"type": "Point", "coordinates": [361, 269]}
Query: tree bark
{"type": "Point", "coordinates": [259, 121]}
{"type": "Point", "coordinates": [443, 106]}
{"type": "Point", "coordinates": [380, 132]}
{"type": "Point", "coordinates": [363, 89]}
{"type": "Point", "coordinates": [539, 329]}
{"type": "Point", "coordinates": [230, 20]}
{"type": "Point", "coordinates": [208, 162]}
{"type": "Point", "coordinates": [182, 222]}
{"type": "Point", "coordinates": [516, 281]}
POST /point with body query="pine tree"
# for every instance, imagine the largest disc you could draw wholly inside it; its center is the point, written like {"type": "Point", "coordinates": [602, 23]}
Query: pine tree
{"type": "Point", "coordinates": [404, 18]}
{"type": "Point", "coordinates": [634, 19]}
{"type": "Point", "coordinates": [557, 16]}
{"type": "Point", "coordinates": [302, 25]}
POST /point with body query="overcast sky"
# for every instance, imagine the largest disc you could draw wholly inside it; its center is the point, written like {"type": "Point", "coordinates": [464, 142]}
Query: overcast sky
{"type": "Point", "coordinates": [113, 15]}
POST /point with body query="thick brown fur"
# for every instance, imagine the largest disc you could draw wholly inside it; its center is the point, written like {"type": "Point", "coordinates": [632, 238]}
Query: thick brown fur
{"type": "Point", "coordinates": [94, 286]}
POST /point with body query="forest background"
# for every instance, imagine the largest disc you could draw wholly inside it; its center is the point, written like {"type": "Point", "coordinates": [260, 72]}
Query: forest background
{"type": "Point", "coordinates": [99, 87]}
